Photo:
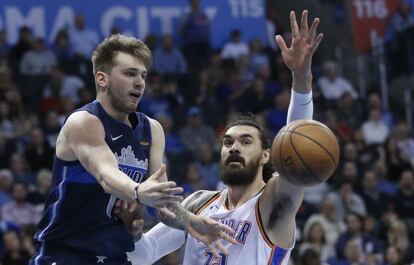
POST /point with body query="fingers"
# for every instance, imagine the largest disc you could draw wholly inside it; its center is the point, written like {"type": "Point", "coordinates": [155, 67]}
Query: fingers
{"type": "Point", "coordinates": [317, 41]}
{"type": "Point", "coordinates": [213, 250]}
{"type": "Point", "coordinates": [173, 191]}
{"type": "Point", "coordinates": [168, 199]}
{"type": "Point", "coordinates": [164, 185]}
{"type": "Point", "coordinates": [228, 238]}
{"type": "Point", "coordinates": [312, 31]}
{"type": "Point", "coordinates": [221, 248]}
{"type": "Point", "coordinates": [294, 25]}
{"type": "Point", "coordinates": [166, 212]}
{"type": "Point", "coordinates": [281, 43]}
{"type": "Point", "coordinates": [304, 23]}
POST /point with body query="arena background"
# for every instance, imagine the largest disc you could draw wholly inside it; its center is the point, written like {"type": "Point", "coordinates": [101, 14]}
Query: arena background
{"type": "Point", "coordinates": [198, 83]}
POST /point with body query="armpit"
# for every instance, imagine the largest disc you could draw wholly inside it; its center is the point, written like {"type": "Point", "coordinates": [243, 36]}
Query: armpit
{"type": "Point", "coordinates": [283, 203]}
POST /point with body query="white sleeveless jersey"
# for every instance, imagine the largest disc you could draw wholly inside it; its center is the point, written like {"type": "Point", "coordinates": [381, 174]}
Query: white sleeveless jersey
{"type": "Point", "coordinates": [253, 247]}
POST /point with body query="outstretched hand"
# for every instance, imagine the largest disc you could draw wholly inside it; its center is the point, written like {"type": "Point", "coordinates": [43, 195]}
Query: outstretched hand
{"type": "Point", "coordinates": [154, 192]}
{"type": "Point", "coordinates": [210, 232]}
{"type": "Point", "coordinates": [305, 41]}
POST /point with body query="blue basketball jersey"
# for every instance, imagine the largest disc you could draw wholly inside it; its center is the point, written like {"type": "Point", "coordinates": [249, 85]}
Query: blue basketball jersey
{"type": "Point", "coordinates": [77, 213]}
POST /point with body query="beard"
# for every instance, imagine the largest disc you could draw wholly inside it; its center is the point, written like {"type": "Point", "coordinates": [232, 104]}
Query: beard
{"type": "Point", "coordinates": [238, 175]}
{"type": "Point", "coordinates": [118, 103]}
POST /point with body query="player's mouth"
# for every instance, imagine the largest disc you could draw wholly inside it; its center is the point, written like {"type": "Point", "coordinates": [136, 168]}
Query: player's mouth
{"type": "Point", "coordinates": [234, 159]}
{"type": "Point", "coordinates": [135, 95]}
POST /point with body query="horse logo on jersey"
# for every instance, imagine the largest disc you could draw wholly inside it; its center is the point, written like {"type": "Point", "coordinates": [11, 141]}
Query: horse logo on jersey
{"type": "Point", "coordinates": [130, 165]}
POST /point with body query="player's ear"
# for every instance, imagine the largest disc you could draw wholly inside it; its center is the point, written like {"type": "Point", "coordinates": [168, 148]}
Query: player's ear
{"type": "Point", "coordinates": [265, 156]}
{"type": "Point", "coordinates": [102, 80]}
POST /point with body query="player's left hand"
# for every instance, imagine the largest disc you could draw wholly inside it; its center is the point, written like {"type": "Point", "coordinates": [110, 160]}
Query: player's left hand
{"type": "Point", "coordinates": [210, 232]}
{"type": "Point", "coordinates": [305, 41]}
{"type": "Point", "coordinates": [131, 216]}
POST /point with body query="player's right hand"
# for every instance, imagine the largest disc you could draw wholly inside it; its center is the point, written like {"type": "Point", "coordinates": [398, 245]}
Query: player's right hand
{"type": "Point", "coordinates": [154, 192]}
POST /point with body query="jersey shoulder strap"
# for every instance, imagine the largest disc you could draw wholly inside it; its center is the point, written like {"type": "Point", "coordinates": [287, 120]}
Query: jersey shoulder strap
{"type": "Point", "coordinates": [196, 201]}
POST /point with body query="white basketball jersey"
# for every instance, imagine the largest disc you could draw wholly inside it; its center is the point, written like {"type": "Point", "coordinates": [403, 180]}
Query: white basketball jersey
{"type": "Point", "coordinates": [253, 246]}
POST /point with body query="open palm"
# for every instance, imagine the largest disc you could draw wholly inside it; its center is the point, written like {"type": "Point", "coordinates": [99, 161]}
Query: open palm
{"type": "Point", "coordinates": [298, 57]}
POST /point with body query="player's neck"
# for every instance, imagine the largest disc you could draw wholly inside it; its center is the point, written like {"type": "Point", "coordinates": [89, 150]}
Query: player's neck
{"type": "Point", "coordinates": [113, 112]}
{"type": "Point", "coordinates": [237, 195]}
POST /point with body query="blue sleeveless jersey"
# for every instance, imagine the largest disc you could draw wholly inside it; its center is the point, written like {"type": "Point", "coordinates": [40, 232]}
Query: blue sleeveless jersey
{"type": "Point", "coordinates": [77, 213]}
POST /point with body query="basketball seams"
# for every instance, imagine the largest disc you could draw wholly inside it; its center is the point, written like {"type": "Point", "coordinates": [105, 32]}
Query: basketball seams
{"type": "Point", "coordinates": [301, 160]}
{"type": "Point", "coordinates": [330, 155]}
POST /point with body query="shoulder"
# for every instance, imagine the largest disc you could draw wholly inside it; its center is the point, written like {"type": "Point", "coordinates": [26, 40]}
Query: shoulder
{"type": "Point", "coordinates": [81, 121]}
{"type": "Point", "coordinates": [198, 199]}
{"type": "Point", "coordinates": [156, 128]}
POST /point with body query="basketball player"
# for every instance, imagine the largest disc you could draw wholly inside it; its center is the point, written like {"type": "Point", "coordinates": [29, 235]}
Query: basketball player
{"type": "Point", "coordinates": [105, 150]}
{"type": "Point", "coordinates": [262, 214]}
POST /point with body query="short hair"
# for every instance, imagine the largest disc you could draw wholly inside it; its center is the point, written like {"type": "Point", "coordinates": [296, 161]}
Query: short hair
{"type": "Point", "coordinates": [249, 119]}
{"type": "Point", "coordinates": [103, 56]}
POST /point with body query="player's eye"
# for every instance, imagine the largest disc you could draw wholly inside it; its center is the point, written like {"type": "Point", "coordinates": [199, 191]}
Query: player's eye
{"type": "Point", "coordinates": [130, 74]}
{"type": "Point", "coordinates": [227, 142]}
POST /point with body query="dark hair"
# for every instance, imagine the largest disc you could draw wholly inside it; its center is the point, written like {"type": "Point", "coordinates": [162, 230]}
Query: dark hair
{"type": "Point", "coordinates": [249, 119]}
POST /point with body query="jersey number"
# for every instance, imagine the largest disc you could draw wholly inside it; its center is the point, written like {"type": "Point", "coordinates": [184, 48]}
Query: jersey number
{"type": "Point", "coordinates": [212, 260]}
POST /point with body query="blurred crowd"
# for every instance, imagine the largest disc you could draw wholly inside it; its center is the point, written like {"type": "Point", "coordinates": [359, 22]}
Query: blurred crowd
{"type": "Point", "coordinates": [364, 214]}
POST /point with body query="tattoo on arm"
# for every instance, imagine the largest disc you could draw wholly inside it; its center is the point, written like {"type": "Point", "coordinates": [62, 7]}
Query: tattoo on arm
{"type": "Point", "coordinates": [282, 204]}
{"type": "Point", "coordinates": [191, 204]}
{"type": "Point", "coordinates": [181, 216]}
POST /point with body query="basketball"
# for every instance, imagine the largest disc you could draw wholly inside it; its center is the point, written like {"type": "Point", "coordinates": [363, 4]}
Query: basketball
{"type": "Point", "coordinates": [305, 152]}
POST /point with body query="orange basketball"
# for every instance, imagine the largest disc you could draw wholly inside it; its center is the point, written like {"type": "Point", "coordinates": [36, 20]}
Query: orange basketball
{"type": "Point", "coordinates": [305, 152]}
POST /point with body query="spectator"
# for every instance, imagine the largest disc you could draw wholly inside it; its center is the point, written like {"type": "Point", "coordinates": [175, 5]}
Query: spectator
{"type": "Point", "coordinates": [195, 33]}
{"type": "Point", "coordinates": [353, 255]}
{"type": "Point", "coordinates": [20, 169]}
{"type": "Point", "coordinates": [192, 181]}
{"type": "Point", "coordinates": [392, 256]}
{"type": "Point", "coordinates": [277, 116]}
{"type": "Point", "coordinates": [315, 238]}
{"type": "Point", "coordinates": [376, 201]}
{"type": "Point", "coordinates": [196, 132]}
{"type": "Point", "coordinates": [347, 201]}
{"type": "Point", "coordinates": [24, 44]}
{"type": "Point", "coordinates": [38, 61]}
{"type": "Point", "coordinates": [255, 99]}
{"type": "Point", "coordinates": [349, 111]}
{"type": "Point", "coordinates": [67, 86]}
{"type": "Point", "coordinates": [168, 59]}
{"type": "Point", "coordinates": [38, 153]}
{"type": "Point", "coordinates": [52, 128]}
{"type": "Point", "coordinates": [374, 130]}
{"type": "Point", "coordinates": [405, 196]}
{"type": "Point", "coordinates": [398, 236]}
{"type": "Point", "coordinates": [396, 157]}
{"type": "Point", "coordinates": [207, 166]}
{"type": "Point", "coordinates": [4, 46]}
{"type": "Point", "coordinates": [43, 185]}
{"type": "Point", "coordinates": [333, 86]}
{"type": "Point", "coordinates": [366, 243]}
{"type": "Point", "coordinates": [14, 253]}
{"type": "Point", "coordinates": [374, 102]}
{"type": "Point", "coordinates": [6, 185]}
{"type": "Point", "coordinates": [19, 211]}
{"type": "Point", "coordinates": [82, 39]}
{"type": "Point", "coordinates": [64, 53]}
{"type": "Point", "coordinates": [235, 48]}
{"type": "Point", "coordinates": [329, 220]}
{"type": "Point", "coordinates": [257, 56]}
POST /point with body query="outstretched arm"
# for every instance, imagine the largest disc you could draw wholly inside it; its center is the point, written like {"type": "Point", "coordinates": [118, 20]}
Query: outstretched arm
{"type": "Point", "coordinates": [161, 239]}
{"type": "Point", "coordinates": [83, 138]}
{"type": "Point", "coordinates": [280, 199]}
{"type": "Point", "coordinates": [175, 215]}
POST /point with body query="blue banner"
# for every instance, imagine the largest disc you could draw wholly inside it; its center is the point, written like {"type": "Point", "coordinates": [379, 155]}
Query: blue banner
{"type": "Point", "coordinates": [136, 18]}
